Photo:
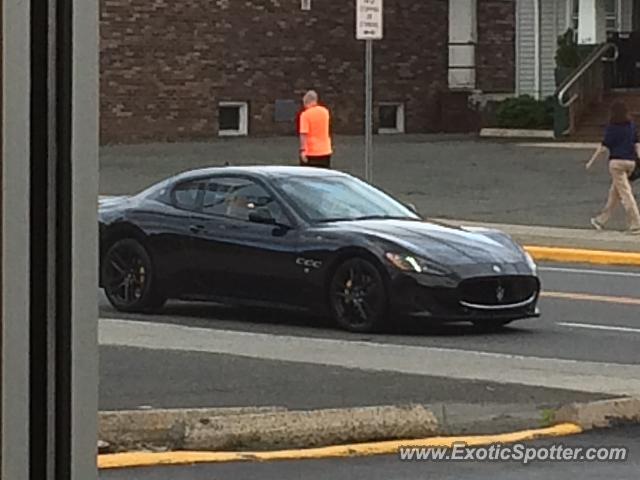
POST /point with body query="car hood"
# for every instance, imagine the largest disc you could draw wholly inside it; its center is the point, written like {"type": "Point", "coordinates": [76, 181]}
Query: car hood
{"type": "Point", "coordinates": [440, 243]}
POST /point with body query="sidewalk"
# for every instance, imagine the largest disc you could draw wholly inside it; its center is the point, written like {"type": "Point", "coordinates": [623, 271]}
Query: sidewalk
{"type": "Point", "coordinates": [454, 177]}
{"type": "Point", "coordinates": [194, 380]}
{"type": "Point", "coordinates": [561, 237]}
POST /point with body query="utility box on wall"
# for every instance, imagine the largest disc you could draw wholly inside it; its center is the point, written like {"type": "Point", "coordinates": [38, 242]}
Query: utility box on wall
{"type": "Point", "coordinates": [285, 111]}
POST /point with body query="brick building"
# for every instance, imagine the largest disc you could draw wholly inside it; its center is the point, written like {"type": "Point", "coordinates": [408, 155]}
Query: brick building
{"type": "Point", "coordinates": [176, 70]}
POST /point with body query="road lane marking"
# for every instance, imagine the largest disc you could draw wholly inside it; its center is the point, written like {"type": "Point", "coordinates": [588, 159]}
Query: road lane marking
{"type": "Point", "coordinates": [389, 447]}
{"type": "Point", "coordinates": [584, 271]}
{"type": "Point", "coordinates": [599, 327]}
{"type": "Point", "coordinates": [588, 297]}
{"type": "Point", "coordinates": [586, 376]}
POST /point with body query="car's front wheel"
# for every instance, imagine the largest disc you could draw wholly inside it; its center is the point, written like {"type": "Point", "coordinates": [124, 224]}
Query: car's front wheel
{"type": "Point", "coordinates": [358, 297]}
{"type": "Point", "coordinates": [129, 278]}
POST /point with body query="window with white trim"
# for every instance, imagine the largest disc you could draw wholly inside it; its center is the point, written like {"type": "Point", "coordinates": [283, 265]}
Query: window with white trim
{"type": "Point", "coordinates": [233, 119]}
{"type": "Point", "coordinates": [612, 9]}
{"type": "Point", "coordinates": [390, 117]}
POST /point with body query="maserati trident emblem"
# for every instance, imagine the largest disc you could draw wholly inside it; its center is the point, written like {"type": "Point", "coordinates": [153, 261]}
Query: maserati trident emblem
{"type": "Point", "coordinates": [500, 293]}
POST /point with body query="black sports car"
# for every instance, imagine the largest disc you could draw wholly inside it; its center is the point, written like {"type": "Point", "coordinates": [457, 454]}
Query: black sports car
{"type": "Point", "coordinates": [308, 238]}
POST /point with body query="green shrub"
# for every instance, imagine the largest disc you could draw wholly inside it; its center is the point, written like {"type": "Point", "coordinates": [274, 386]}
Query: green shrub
{"type": "Point", "coordinates": [525, 112]}
{"type": "Point", "coordinates": [568, 52]}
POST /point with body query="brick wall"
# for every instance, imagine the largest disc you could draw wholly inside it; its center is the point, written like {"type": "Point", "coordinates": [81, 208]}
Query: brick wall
{"type": "Point", "coordinates": [165, 64]}
{"type": "Point", "coordinates": [495, 55]}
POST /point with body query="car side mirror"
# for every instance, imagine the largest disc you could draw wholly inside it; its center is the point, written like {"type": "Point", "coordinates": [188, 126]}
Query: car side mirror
{"type": "Point", "coordinates": [262, 215]}
{"type": "Point", "coordinates": [412, 207]}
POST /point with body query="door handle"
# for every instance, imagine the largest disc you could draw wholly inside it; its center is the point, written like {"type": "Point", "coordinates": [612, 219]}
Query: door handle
{"type": "Point", "coordinates": [196, 228]}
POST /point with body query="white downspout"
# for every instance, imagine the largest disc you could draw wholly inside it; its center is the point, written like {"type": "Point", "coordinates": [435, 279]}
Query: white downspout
{"type": "Point", "coordinates": [537, 49]}
{"type": "Point", "coordinates": [619, 21]}
{"type": "Point", "coordinates": [518, 86]}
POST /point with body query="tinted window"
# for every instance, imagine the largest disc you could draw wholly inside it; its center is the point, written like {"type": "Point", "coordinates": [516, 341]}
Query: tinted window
{"type": "Point", "coordinates": [229, 118]}
{"type": "Point", "coordinates": [185, 195]}
{"type": "Point", "coordinates": [388, 116]}
{"type": "Point", "coordinates": [341, 198]}
{"type": "Point", "coordinates": [237, 198]}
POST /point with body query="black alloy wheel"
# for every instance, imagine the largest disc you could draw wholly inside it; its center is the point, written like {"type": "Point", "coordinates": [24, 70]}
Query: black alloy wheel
{"type": "Point", "coordinates": [358, 297]}
{"type": "Point", "coordinates": [128, 278]}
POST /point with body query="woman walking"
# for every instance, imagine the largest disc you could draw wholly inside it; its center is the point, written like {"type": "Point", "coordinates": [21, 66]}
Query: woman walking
{"type": "Point", "coordinates": [622, 144]}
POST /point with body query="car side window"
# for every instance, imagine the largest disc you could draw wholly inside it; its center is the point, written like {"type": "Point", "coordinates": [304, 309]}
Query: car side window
{"type": "Point", "coordinates": [237, 197]}
{"type": "Point", "coordinates": [185, 195]}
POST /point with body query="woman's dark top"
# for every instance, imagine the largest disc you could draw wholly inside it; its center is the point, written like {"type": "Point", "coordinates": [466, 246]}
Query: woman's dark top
{"type": "Point", "coordinates": [621, 139]}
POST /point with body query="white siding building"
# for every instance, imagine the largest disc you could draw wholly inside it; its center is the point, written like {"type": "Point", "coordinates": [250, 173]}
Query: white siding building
{"type": "Point", "coordinates": [540, 22]}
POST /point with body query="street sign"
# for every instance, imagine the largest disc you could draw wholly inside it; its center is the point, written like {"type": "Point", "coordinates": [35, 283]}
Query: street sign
{"type": "Point", "coordinates": [369, 20]}
{"type": "Point", "coordinates": [369, 23]}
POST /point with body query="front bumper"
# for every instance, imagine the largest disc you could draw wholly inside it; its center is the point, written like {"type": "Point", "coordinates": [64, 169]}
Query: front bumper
{"type": "Point", "coordinates": [448, 299]}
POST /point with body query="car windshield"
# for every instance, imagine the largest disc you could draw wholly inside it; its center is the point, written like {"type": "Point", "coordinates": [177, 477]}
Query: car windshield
{"type": "Point", "coordinates": [338, 198]}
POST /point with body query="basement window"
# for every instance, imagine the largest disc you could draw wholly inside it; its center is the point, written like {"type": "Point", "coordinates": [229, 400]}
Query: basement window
{"type": "Point", "coordinates": [391, 118]}
{"type": "Point", "coordinates": [233, 119]}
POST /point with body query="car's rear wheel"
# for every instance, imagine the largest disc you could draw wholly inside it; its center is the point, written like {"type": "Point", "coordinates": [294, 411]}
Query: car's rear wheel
{"type": "Point", "coordinates": [358, 297]}
{"type": "Point", "coordinates": [129, 278]}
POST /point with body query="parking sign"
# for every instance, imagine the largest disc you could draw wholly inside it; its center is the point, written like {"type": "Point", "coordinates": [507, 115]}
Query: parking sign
{"type": "Point", "coordinates": [369, 19]}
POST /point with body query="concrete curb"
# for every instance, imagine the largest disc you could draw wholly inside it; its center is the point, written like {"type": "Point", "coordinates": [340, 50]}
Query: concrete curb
{"type": "Point", "coordinates": [158, 428]}
{"type": "Point", "coordinates": [566, 245]}
{"type": "Point", "coordinates": [575, 255]}
{"type": "Point", "coordinates": [148, 459]}
{"type": "Point", "coordinates": [213, 429]}
{"type": "Point", "coordinates": [516, 133]}
{"type": "Point", "coordinates": [601, 414]}
{"type": "Point", "coordinates": [229, 435]}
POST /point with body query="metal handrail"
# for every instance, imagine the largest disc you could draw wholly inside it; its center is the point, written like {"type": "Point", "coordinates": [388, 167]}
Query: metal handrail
{"type": "Point", "coordinates": [597, 55]}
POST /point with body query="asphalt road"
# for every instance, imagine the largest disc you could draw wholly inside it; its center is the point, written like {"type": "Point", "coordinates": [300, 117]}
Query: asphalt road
{"type": "Point", "coordinates": [389, 467]}
{"type": "Point", "coordinates": [200, 355]}
{"type": "Point", "coordinates": [575, 328]}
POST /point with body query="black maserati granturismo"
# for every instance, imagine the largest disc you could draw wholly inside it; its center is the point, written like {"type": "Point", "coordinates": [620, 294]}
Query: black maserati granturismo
{"type": "Point", "coordinates": [306, 238]}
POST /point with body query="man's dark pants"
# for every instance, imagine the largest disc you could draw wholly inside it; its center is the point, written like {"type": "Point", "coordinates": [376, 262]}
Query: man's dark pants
{"type": "Point", "coordinates": [323, 161]}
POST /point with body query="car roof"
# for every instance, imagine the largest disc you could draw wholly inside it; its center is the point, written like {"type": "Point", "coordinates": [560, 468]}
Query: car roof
{"type": "Point", "coordinates": [269, 171]}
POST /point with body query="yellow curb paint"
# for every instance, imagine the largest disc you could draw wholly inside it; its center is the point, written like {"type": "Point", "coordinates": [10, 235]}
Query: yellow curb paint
{"type": "Point", "coordinates": [592, 298]}
{"type": "Point", "coordinates": [574, 255]}
{"type": "Point", "coordinates": [147, 459]}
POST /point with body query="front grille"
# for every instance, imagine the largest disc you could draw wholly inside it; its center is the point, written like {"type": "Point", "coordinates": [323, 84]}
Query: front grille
{"type": "Point", "coordinates": [497, 291]}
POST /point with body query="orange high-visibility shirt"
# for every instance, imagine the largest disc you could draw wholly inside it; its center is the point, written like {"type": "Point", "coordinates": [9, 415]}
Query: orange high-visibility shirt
{"type": "Point", "coordinates": [314, 122]}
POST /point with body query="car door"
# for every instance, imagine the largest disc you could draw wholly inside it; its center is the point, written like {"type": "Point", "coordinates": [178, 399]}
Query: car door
{"type": "Point", "coordinates": [247, 245]}
{"type": "Point", "coordinates": [167, 220]}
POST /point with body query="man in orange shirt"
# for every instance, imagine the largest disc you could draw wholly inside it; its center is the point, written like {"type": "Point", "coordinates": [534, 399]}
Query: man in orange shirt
{"type": "Point", "coordinates": [315, 137]}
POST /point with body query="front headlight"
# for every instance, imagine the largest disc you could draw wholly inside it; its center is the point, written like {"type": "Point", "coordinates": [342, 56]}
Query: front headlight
{"type": "Point", "coordinates": [412, 263]}
{"type": "Point", "coordinates": [531, 262]}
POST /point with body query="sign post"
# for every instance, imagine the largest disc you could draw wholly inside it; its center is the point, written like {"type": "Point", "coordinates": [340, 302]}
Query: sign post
{"type": "Point", "coordinates": [369, 22]}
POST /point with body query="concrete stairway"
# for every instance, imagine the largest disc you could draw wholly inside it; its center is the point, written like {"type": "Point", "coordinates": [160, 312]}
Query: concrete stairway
{"type": "Point", "coordinates": [591, 127]}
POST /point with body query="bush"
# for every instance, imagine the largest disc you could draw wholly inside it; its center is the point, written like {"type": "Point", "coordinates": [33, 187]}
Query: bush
{"type": "Point", "coordinates": [567, 52]}
{"type": "Point", "coordinates": [525, 112]}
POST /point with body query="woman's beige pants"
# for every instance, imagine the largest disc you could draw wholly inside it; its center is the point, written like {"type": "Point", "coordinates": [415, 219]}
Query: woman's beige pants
{"type": "Point", "coordinates": [621, 192]}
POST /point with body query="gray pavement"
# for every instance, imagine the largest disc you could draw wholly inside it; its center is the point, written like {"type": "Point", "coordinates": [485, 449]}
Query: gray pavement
{"type": "Point", "coordinates": [389, 467]}
{"type": "Point", "coordinates": [562, 237]}
{"type": "Point", "coordinates": [444, 176]}
{"type": "Point", "coordinates": [218, 356]}
{"type": "Point", "coordinates": [586, 345]}
{"type": "Point", "coordinates": [133, 378]}
{"type": "Point", "coordinates": [544, 337]}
